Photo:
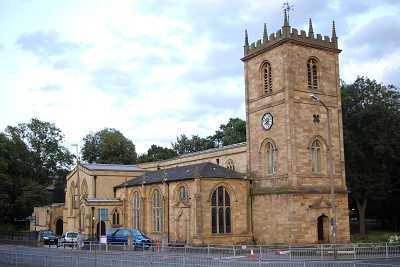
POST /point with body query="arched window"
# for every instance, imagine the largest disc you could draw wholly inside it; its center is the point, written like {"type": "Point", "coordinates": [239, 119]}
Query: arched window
{"type": "Point", "coordinates": [115, 217]}
{"type": "Point", "coordinates": [183, 194]}
{"type": "Point", "coordinates": [312, 71]}
{"type": "Point", "coordinates": [271, 158]}
{"type": "Point", "coordinates": [316, 157]}
{"type": "Point", "coordinates": [221, 211]}
{"type": "Point", "coordinates": [84, 189]}
{"type": "Point", "coordinates": [136, 210]}
{"type": "Point", "coordinates": [230, 164]}
{"type": "Point", "coordinates": [266, 77]}
{"type": "Point", "coordinates": [157, 211]}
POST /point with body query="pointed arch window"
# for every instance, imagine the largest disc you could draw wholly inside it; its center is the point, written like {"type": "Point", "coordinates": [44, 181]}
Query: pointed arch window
{"type": "Point", "coordinates": [115, 217]}
{"type": "Point", "coordinates": [271, 158]}
{"type": "Point", "coordinates": [230, 164]}
{"type": "Point", "coordinates": [157, 211]}
{"type": "Point", "coordinates": [136, 210]}
{"type": "Point", "coordinates": [266, 73]}
{"type": "Point", "coordinates": [183, 193]}
{"type": "Point", "coordinates": [84, 189]}
{"type": "Point", "coordinates": [312, 71]}
{"type": "Point", "coordinates": [316, 156]}
{"type": "Point", "coordinates": [221, 211]}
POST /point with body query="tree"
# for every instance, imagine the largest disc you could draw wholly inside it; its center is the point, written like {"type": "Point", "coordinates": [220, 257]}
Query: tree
{"type": "Point", "coordinates": [231, 133]}
{"type": "Point", "coordinates": [371, 127]}
{"type": "Point", "coordinates": [155, 153]}
{"type": "Point", "coordinates": [29, 154]}
{"type": "Point", "coordinates": [108, 146]}
{"type": "Point", "coordinates": [184, 145]}
{"type": "Point", "coordinates": [44, 141]}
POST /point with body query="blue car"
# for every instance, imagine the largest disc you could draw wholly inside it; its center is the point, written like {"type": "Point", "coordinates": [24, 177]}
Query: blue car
{"type": "Point", "coordinates": [121, 236]}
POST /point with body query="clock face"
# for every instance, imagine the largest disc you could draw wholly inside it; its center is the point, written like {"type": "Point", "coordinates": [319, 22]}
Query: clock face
{"type": "Point", "coordinates": [267, 120]}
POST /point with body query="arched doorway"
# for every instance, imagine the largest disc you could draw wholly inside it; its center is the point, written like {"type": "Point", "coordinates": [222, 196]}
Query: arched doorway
{"type": "Point", "coordinates": [59, 227]}
{"type": "Point", "coordinates": [100, 229]}
{"type": "Point", "coordinates": [323, 229]}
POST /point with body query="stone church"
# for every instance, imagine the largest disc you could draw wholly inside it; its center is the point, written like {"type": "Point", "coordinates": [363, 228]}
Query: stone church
{"type": "Point", "coordinates": [285, 184]}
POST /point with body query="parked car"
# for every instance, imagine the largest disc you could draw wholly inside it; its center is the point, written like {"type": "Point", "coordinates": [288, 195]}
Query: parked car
{"type": "Point", "coordinates": [122, 235]}
{"type": "Point", "coordinates": [48, 237]}
{"type": "Point", "coordinates": [70, 239]}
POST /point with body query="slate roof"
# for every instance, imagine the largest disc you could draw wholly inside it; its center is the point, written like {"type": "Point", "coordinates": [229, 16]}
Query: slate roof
{"type": "Point", "coordinates": [110, 167]}
{"type": "Point", "coordinates": [200, 170]}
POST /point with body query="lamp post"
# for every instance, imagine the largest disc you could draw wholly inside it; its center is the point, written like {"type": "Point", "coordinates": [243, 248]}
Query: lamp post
{"type": "Point", "coordinates": [330, 168]}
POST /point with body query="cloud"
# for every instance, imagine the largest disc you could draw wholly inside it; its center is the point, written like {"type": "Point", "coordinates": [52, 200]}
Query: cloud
{"type": "Point", "coordinates": [114, 81]}
{"type": "Point", "coordinates": [49, 48]}
{"type": "Point", "coordinates": [374, 40]}
{"type": "Point", "coordinates": [51, 88]}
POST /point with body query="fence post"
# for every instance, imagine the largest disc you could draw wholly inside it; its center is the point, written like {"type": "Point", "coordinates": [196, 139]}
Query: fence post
{"type": "Point", "coordinates": [322, 251]}
{"type": "Point", "coordinates": [208, 250]}
{"type": "Point", "coordinates": [16, 259]}
{"type": "Point", "coordinates": [234, 252]}
{"type": "Point", "coordinates": [387, 251]}
{"type": "Point", "coordinates": [290, 252]}
{"type": "Point", "coordinates": [354, 252]}
{"type": "Point", "coordinates": [260, 249]}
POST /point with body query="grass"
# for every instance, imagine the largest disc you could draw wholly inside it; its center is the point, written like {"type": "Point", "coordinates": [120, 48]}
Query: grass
{"type": "Point", "coordinates": [372, 237]}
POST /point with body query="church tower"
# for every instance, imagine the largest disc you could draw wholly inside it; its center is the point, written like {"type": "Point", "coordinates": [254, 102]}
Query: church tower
{"type": "Point", "coordinates": [294, 137]}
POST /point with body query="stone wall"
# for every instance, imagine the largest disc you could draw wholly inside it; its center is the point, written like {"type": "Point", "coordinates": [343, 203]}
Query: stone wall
{"type": "Point", "coordinates": [191, 221]}
{"type": "Point", "coordinates": [237, 153]}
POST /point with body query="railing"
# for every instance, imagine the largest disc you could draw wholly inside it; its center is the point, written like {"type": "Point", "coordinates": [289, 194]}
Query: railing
{"type": "Point", "coordinates": [54, 258]}
{"type": "Point", "coordinates": [277, 252]}
{"type": "Point", "coordinates": [25, 238]}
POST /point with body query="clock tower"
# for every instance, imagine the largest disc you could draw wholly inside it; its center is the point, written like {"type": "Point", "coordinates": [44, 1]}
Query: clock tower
{"type": "Point", "coordinates": [294, 137]}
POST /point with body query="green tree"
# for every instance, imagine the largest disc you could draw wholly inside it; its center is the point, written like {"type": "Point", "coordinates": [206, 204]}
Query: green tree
{"type": "Point", "coordinates": [29, 154]}
{"type": "Point", "coordinates": [108, 146]}
{"type": "Point", "coordinates": [371, 126]}
{"type": "Point", "coordinates": [44, 141]}
{"type": "Point", "coordinates": [184, 145]}
{"type": "Point", "coordinates": [231, 133]}
{"type": "Point", "coordinates": [155, 153]}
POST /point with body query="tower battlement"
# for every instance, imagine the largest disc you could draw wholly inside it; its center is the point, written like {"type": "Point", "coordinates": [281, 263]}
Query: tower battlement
{"type": "Point", "coordinates": [289, 34]}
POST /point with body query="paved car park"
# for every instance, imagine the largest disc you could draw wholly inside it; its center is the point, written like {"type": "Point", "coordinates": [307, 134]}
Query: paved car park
{"type": "Point", "coordinates": [25, 256]}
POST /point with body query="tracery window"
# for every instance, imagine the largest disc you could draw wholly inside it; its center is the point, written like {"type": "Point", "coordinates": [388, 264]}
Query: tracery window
{"type": "Point", "coordinates": [136, 210]}
{"type": "Point", "coordinates": [316, 156]}
{"type": "Point", "coordinates": [221, 211]}
{"type": "Point", "coordinates": [183, 194]}
{"type": "Point", "coordinates": [84, 189]}
{"type": "Point", "coordinates": [230, 164]}
{"type": "Point", "coordinates": [271, 158]}
{"type": "Point", "coordinates": [157, 211]}
{"type": "Point", "coordinates": [312, 71]}
{"type": "Point", "coordinates": [115, 217]}
{"type": "Point", "coordinates": [267, 77]}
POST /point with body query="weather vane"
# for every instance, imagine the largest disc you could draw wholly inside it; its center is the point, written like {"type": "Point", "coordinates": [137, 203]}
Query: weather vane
{"type": "Point", "coordinates": [287, 7]}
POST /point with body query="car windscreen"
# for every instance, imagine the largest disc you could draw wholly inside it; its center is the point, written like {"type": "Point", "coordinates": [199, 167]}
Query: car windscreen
{"type": "Point", "coordinates": [72, 235]}
{"type": "Point", "coordinates": [47, 233]}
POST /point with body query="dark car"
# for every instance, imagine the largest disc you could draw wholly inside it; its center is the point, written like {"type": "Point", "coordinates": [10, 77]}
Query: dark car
{"type": "Point", "coordinates": [48, 237]}
{"type": "Point", "coordinates": [122, 235]}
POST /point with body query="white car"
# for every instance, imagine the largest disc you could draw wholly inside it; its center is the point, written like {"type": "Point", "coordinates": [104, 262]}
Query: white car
{"type": "Point", "coordinates": [72, 239]}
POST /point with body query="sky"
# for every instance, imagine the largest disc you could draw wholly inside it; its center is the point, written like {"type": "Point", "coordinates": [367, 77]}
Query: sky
{"type": "Point", "coordinates": [157, 69]}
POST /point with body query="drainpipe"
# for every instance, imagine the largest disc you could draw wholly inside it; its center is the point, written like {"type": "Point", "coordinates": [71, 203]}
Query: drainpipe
{"type": "Point", "coordinates": [168, 212]}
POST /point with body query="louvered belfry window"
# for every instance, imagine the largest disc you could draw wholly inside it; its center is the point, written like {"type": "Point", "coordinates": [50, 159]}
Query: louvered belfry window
{"type": "Point", "coordinates": [267, 78]}
{"type": "Point", "coordinates": [312, 71]}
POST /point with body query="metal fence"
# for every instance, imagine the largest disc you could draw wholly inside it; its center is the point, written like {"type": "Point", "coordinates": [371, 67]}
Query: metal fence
{"type": "Point", "coordinates": [112, 259]}
{"type": "Point", "coordinates": [276, 253]}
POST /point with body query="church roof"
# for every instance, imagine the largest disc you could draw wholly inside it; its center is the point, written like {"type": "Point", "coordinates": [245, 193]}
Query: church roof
{"type": "Point", "coordinates": [110, 167]}
{"type": "Point", "coordinates": [189, 172]}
